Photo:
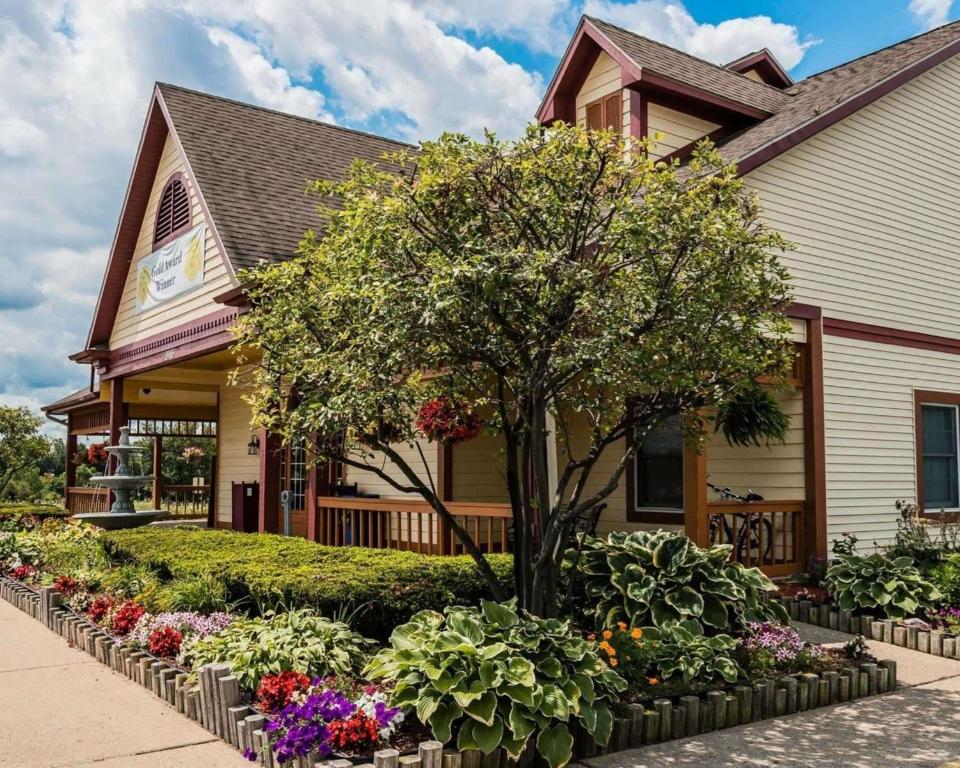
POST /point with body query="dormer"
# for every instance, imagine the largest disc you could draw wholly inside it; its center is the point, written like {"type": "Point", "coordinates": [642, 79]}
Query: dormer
{"type": "Point", "coordinates": [668, 96]}
{"type": "Point", "coordinates": [763, 67]}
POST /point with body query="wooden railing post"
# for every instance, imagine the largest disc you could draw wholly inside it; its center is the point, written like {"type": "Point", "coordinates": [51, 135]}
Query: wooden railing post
{"type": "Point", "coordinates": [695, 495]}
{"type": "Point", "coordinates": [157, 464]}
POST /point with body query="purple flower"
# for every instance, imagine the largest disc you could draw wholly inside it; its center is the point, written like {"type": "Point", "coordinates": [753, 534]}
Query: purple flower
{"type": "Point", "coordinates": [250, 755]}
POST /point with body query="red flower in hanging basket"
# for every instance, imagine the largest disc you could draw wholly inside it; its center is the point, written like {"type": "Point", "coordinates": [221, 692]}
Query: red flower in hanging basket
{"type": "Point", "coordinates": [275, 691]}
{"type": "Point", "coordinates": [165, 642]}
{"type": "Point", "coordinates": [448, 421]}
{"type": "Point", "coordinates": [97, 454]}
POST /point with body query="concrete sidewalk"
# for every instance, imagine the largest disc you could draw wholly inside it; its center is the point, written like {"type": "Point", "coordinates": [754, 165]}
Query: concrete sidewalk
{"type": "Point", "coordinates": [59, 708]}
{"type": "Point", "coordinates": [917, 726]}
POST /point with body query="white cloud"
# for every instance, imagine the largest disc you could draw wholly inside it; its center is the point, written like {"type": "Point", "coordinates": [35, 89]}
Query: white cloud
{"type": "Point", "coordinates": [671, 23]}
{"type": "Point", "coordinates": [931, 13]}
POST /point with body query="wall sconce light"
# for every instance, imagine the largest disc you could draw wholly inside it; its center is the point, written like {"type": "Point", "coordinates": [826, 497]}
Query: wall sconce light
{"type": "Point", "coordinates": [253, 447]}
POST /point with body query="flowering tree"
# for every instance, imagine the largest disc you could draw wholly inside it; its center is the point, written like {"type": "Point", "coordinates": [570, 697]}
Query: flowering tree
{"type": "Point", "coordinates": [547, 282]}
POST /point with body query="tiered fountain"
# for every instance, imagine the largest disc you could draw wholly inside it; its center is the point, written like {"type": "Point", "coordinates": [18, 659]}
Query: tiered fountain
{"type": "Point", "coordinates": [122, 482]}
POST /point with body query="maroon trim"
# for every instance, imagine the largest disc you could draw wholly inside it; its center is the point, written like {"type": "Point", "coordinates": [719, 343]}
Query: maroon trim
{"type": "Point", "coordinates": [882, 335]}
{"type": "Point", "coordinates": [208, 334]}
{"type": "Point", "coordinates": [766, 65]}
{"type": "Point", "coordinates": [639, 115]}
{"type": "Point", "coordinates": [175, 176]}
{"type": "Point", "coordinates": [825, 120]}
{"type": "Point", "coordinates": [804, 311]}
{"type": "Point", "coordinates": [235, 297]}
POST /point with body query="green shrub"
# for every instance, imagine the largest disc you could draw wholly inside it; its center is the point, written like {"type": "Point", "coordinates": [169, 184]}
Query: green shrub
{"type": "Point", "coordinates": [656, 578]}
{"type": "Point", "coordinates": [15, 510]}
{"type": "Point", "coordinates": [683, 651]}
{"type": "Point", "coordinates": [202, 594]}
{"type": "Point", "coordinates": [499, 679]}
{"type": "Point", "coordinates": [279, 571]}
{"type": "Point", "coordinates": [300, 641]}
{"type": "Point", "coordinates": [946, 578]}
{"type": "Point", "coordinates": [69, 549]}
{"type": "Point", "coordinates": [875, 582]}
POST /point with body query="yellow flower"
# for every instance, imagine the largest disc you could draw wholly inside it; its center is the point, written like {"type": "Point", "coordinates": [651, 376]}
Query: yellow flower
{"type": "Point", "coordinates": [637, 633]}
{"type": "Point", "coordinates": [607, 634]}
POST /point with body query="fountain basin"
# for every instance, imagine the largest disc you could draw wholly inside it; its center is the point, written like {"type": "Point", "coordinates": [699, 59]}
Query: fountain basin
{"type": "Point", "coordinates": [117, 520]}
{"type": "Point", "coordinates": [123, 482]}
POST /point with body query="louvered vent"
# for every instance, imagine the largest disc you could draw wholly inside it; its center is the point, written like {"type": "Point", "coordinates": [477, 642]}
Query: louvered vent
{"type": "Point", "coordinates": [173, 215]}
{"type": "Point", "coordinates": [595, 116]}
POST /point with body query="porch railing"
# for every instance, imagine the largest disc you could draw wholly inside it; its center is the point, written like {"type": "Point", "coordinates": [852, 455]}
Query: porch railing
{"type": "Point", "coordinates": [409, 524]}
{"type": "Point", "coordinates": [185, 500]}
{"type": "Point", "coordinates": [770, 535]}
{"type": "Point", "coordinates": [82, 500]}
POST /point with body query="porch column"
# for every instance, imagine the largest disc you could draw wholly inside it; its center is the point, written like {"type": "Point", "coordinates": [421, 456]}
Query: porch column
{"type": "Point", "coordinates": [444, 492]}
{"type": "Point", "coordinates": [70, 465]}
{"type": "Point", "coordinates": [318, 484]}
{"type": "Point", "coordinates": [695, 495]}
{"type": "Point", "coordinates": [269, 506]}
{"type": "Point", "coordinates": [814, 444]}
{"type": "Point", "coordinates": [118, 418]}
{"type": "Point", "coordinates": [157, 464]}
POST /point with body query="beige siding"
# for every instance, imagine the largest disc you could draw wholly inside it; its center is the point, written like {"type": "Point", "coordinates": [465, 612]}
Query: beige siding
{"type": "Point", "coordinates": [368, 482]}
{"type": "Point", "coordinates": [872, 205]}
{"type": "Point", "coordinates": [234, 464]}
{"type": "Point", "coordinates": [130, 326]}
{"type": "Point", "coordinates": [603, 80]}
{"type": "Point", "coordinates": [670, 129]}
{"type": "Point", "coordinates": [775, 472]}
{"type": "Point", "coordinates": [753, 75]}
{"type": "Point", "coordinates": [479, 471]}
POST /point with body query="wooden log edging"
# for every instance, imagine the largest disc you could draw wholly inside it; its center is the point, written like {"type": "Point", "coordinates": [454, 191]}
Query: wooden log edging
{"type": "Point", "coordinates": [936, 642]}
{"type": "Point", "coordinates": [215, 702]}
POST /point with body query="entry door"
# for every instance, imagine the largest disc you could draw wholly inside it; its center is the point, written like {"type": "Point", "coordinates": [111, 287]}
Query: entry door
{"type": "Point", "coordinates": [293, 478]}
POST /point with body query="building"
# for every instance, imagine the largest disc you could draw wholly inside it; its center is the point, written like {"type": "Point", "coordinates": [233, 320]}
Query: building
{"type": "Point", "coordinates": [857, 166]}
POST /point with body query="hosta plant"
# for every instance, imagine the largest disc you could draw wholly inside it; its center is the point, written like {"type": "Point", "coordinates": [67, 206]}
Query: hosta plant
{"type": "Point", "coordinates": [299, 640]}
{"type": "Point", "coordinates": [494, 677]}
{"type": "Point", "coordinates": [873, 582]}
{"type": "Point", "coordinates": [659, 578]}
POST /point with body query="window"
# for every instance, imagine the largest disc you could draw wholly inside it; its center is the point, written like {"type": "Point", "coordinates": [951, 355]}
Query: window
{"type": "Point", "coordinates": [938, 443]}
{"type": "Point", "coordinates": [173, 213]}
{"type": "Point", "coordinates": [658, 468]}
{"type": "Point", "coordinates": [605, 113]}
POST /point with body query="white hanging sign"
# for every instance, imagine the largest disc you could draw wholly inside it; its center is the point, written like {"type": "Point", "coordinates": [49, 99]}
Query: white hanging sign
{"type": "Point", "coordinates": [175, 268]}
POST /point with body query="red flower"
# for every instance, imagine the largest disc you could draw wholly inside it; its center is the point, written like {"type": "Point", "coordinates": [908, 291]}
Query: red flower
{"type": "Point", "coordinates": [23, 572]}
{"type": "Point", "coordinates": [165, 642]}
{"type": "Point", "coordinates": [448, 421]}
{"type": "Point", "coordinates": [66, 585]}
{"type": "Point", "coordinates": [353, 734]}
{"type": "Point", "coordinates": [126, 617]}
{"type": "Point", "coordinates": [100, 607]}
{"type": "Point", "coordinates": [275, 691]}
{"type": "Point", "coordinates": [97, 454]}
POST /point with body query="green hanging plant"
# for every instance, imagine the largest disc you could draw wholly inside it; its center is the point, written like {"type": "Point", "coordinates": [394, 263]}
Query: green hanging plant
{"type": "Point", "coordinates": [753, 417]}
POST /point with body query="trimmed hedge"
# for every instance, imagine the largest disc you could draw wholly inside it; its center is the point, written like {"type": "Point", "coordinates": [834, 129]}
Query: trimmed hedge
{"type": "Point", "coordinates": [21, 509]}
{"type": "Point", "coordinates": [266, 571]}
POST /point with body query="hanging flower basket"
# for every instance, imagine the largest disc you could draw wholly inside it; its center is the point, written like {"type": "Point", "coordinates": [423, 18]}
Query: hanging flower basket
{"type": "Point", "coordinates": [96, 455]}
{"type": "Point", "coordinates": [193, 454]}
{"type": "Point", "coordinates": [448, 421]}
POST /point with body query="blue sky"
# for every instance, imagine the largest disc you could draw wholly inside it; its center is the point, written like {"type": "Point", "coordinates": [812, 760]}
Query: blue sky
{"type": "Point", "coordinates": [75, 79]}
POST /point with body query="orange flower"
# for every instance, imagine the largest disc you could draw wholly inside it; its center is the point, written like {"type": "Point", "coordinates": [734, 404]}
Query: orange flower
{"type": "Point", "coordinates": [622, 626]}
{"type": "Point", "coordinates": [605, 646]}
{"type": "Point", "coordinates": [607, 634]}
{"type": "Point", "coordinates": [613, 662]}
{"type": "Point", "coordinates": [652, 681]}
{"type": "Point", "coordinates": [637, 633]}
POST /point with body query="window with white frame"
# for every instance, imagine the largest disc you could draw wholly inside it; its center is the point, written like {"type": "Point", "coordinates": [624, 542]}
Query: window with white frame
{"type": "Point", "coordinates": [939, 441]}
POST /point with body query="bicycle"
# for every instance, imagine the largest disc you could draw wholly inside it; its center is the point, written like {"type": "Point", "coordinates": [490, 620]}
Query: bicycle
{"type": "Point", "coordinates": [753, 540]}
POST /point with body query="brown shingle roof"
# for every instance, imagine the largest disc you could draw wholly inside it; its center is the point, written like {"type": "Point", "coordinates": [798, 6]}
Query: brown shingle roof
{"type": "Point", "coordinates": [79, 397]}
{"type": "Point", "coordinates": [839, 89]}
{"type": "Point", "coordinates": [689, 70]}
{"type": "Point", "coordinates": [253, 166]}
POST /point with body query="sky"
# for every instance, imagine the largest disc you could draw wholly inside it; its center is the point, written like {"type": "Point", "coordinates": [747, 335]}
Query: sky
{"type": "Point", "coordinates": [76, 77]}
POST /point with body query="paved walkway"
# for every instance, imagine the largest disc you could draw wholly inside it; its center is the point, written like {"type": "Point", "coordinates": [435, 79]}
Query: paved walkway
{"type": "Point", "coordinates": [61, 709]}
{"type": "Point", "coordinates": [917, 726]}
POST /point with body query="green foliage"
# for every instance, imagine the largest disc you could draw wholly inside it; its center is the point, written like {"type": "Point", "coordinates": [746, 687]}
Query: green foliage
{"type": "Point", "coordinates": [273, 571]}
{"type": "Point", "coordinates": [298, 640]}
{"type": "Point", "coordinates": [946, 577]}
{"type": "Point", "coordinates": [876, 581]}
{"type": "Point", "coordinates": [130, 581]}
{"type": "Point", "coordinates": [562, 272]}
{"type": "Point", "coordinates": [683, 651]}
{"type": "Point", "coordinates": [920, 540]}
{"type": "Point", "coordinates": [16, 510]}
{"type": "Point", "coordinates": [496, 677]}
{"type": "Point", "coordinates": [17, 549]}
{"type": "Point", "coordinates": [656, 578]}
{"type": "Point", "coordinates": [22, 447]}
{"type": "Point", "coordinates": [69, 549]}
{"type": "Point", "coordinates": [203, 594]}
{"type": "Point", "coordinates": [753, 416]}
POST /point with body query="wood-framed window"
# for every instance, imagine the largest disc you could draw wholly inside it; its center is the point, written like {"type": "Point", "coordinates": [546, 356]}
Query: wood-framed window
{"type": "Point", "coordinates": [605, 113]}
{"type": "Point", "coordinates": [937, 424]}
{"type": "Point", "coordinates": [173, 211]}
{"type": "Point", "coordinates": [655, 478]}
